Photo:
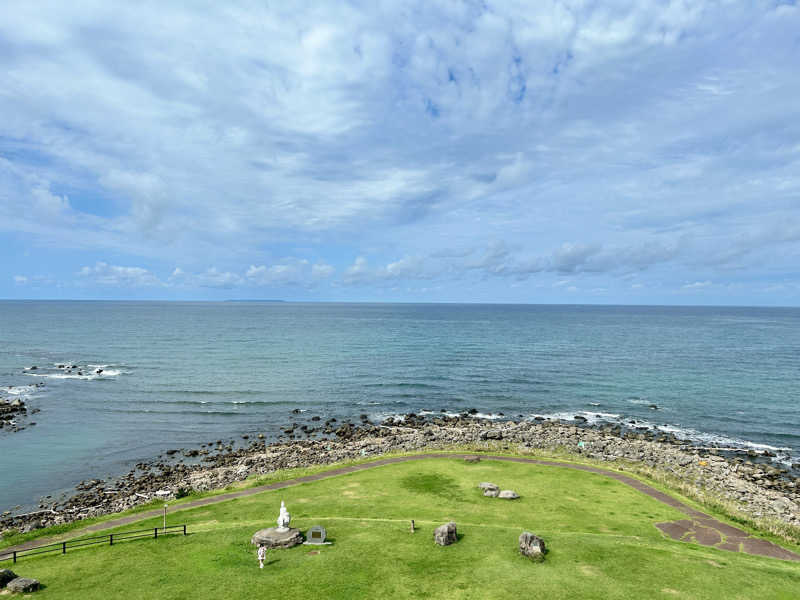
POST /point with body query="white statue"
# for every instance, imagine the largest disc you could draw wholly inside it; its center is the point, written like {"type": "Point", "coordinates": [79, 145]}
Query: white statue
{"type": "Point", "coordinates": [283, 519]}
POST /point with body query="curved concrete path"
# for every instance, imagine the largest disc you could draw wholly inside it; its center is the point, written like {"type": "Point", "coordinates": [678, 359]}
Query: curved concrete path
{"type": "Point", "coordinates": [699, 528]}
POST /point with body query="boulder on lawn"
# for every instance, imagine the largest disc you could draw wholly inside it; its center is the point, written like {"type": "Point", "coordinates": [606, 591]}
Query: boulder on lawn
{"type": "Point", "coordinates": [508, 495]}
{"type": "Point", "coordinates": [444, 535]}
{"type": "Point", "coordinates": [23, 585]}
{"type": "Point", "coordinates": [532, 546]}
{"type": "Point", "coordinates": [6, 575]}
{"type": "Point", "coordinates": [485, 485]}
{"type": "Point", "coordinates": [491, 492]}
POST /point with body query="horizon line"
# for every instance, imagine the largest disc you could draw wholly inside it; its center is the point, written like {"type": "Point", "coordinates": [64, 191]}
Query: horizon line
{"type": "Point", "coordinates": [442, 302]}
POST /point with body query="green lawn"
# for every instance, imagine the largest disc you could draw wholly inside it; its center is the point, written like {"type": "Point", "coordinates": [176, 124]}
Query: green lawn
{"type": "Point", "coordinates": [600, 534]}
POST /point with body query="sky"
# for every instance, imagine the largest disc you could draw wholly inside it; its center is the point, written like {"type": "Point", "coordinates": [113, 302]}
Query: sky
{"type": "Point", "coordinates": [554, 151]}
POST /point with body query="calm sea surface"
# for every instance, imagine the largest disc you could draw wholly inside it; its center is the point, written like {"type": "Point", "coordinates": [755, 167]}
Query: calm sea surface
{"type": "Point", "coordinates": [181, 374]}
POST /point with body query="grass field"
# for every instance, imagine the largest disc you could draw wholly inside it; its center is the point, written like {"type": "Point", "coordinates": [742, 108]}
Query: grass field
{"type": "Point", "coordinates": [600, 533]}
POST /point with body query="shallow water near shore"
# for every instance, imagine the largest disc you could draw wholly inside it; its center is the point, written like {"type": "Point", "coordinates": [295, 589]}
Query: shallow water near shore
{"type": "Point", "coordinates": [125, 381]}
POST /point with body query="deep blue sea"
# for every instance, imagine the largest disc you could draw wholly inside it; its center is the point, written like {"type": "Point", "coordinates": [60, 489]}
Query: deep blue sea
{"type": "Point", "coordinates": [181, 374]}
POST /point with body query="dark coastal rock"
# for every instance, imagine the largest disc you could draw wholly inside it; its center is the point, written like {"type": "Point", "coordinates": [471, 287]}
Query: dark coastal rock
{"type": "Point", "coordinates": [580, 418]}
{"type": "Point", "coordinates": [23, 585]}
{"type": "Point", "coordinates": [532, 546]}
{"type": "Point", "coordinates": [6, 575]}
{"type": "Point", "coordinates": [446, 534]}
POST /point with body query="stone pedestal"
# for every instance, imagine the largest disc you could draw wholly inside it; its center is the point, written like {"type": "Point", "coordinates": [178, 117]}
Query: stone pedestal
{"type": "Point", "coordinates": [273, 538]}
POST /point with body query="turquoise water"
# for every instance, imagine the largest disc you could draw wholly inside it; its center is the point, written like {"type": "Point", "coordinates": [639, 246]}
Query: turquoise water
{"type": "Point", "coordinates": [181, 374]}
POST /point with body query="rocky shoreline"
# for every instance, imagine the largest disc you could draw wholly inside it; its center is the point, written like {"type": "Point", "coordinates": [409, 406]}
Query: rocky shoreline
{"type": "Point", "coordinates": [746, 487]}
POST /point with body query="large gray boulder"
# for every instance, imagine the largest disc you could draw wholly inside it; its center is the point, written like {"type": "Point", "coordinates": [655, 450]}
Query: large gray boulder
{"type": "Point", "coordinates": [444, 535]}
{"type": "Point", "coordinates": [23, 585]}
{"type": "Point", "coordinates": [508, 495]}
{"type": "Point", "coordinates": [532, 546]}
{"type": "Point", "coordinates": [491, 492]}
{"type": "Point", "coordinates": [6, 575]}
{"type": "Point", "coordinates": [485, 485]}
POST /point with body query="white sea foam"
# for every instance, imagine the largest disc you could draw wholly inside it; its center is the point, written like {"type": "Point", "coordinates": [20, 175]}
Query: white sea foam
{"type": "Point", "coordinates": [693, 435]}
{"type": "Point", "coordinates": [19, 390]}
{"type": "Point", "coordinates": [640, 401]}
{"type": "Point", "coordinates": [88, 373]}
{"type": "Point", "coordinates": [592, 417]}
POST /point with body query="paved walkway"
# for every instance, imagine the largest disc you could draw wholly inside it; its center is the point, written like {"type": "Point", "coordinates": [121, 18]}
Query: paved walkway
{"type": "Point", "coordinates": [699, 528]}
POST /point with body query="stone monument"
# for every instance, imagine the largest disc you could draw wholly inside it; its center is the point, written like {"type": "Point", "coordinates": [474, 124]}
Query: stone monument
{"type": "Point", "coordinates": [283, 519]}
{"type": "Point", "coordinates": [316, 536]}
{"type": "Point", "coordinates": [446, 534]}
{"type": "Point", "coordinates": [281, 536]}
{"type": "Point", "coordinates": [532, 546]}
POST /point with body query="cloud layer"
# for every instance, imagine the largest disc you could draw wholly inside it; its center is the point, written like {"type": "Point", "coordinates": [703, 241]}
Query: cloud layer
{"type": "Point", "coordinates": [352, 151]}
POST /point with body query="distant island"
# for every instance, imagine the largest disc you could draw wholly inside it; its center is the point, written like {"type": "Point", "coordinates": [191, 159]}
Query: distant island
{"type": "Point", "coordinates": [255, 300]}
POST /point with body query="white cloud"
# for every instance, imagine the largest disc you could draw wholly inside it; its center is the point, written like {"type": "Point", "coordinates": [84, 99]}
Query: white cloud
{"type": "Point", "coordinates": [214, 278]}
{"type": "Point", "coordinates": [113, 275]}
{"type": "Point", "coordinates": [358, 272]}
{"type": "Point", "coordinates": [548, 137]}
{"type": "Point", "coordinates": [322, 271]}
{"type": "Point", "coordinates": [697, 285]}
{"type": "Point", "coordinates": [20, 279]}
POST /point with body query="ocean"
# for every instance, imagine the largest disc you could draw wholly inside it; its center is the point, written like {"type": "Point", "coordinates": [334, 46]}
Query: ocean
{"type": "Point", "coordinates": [175, 374]}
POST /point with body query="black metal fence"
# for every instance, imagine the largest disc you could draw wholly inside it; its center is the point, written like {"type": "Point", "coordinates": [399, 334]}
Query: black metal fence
{"type": "Point", "coordinates": [89, 541]}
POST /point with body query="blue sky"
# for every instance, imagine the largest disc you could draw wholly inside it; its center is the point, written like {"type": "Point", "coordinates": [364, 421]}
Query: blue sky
{"type": "Point", "coordinates": [549, 151]}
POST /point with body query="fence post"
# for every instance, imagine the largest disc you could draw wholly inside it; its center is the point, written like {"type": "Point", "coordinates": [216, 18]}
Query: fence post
{"type": "Point", "coordinates": [15, 557]}
{"type": "Point", "coordinates": [110, 539]}
{"type": "Point", "coordinates": [184, 529]}
{"type": "Point", "coordinates": [155, 533]}
{"type": "Point", "coordinates": [63, 547]}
